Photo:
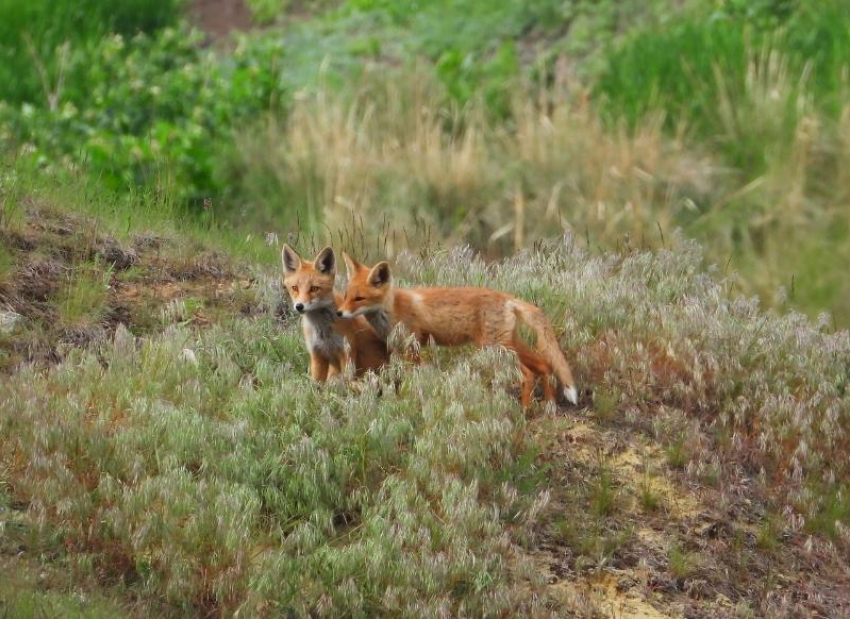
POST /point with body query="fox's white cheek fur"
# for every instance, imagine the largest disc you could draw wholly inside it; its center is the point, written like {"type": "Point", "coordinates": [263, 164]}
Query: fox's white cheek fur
{"type": "Point", "coordinates": [571, 394]}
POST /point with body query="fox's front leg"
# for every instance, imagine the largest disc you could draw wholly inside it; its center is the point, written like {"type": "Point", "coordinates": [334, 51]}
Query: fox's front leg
{"type": "Point", "coordinates": [318, 368]}
{"type": "Point", "coordinates": [349, 355]}
{"type": "Point", "coordinates": [336, 364]}
{"type": "Point", "coordinates": [414, 351]}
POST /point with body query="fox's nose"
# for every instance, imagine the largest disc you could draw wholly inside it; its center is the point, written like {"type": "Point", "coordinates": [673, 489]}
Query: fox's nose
{"type": "Point", "coordinates": [339, 313]}
{"type": "Point", "coordinates": [299, 307]}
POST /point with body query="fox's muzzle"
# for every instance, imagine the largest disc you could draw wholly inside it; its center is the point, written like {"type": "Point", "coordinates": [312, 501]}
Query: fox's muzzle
{"type": "Point", "coordinates": [360, 311]}
{"type": "Point", "coordinates": [299, 307]}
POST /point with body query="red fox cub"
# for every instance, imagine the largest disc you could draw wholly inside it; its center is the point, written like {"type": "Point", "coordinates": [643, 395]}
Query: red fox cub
{"type": "Point", "coordinates": [311, 287]}
{"type": "Point", "coordinates": [455, 316]}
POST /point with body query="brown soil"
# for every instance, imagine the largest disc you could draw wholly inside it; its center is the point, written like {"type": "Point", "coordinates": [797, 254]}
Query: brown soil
{"type": "Point", "coordinates": [219, 18]}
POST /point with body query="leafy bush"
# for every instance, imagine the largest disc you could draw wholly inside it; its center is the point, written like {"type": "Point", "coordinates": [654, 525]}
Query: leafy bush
{"type": "Point", "coordinates": [33, 33]}
{"type": "Point", "coordinates": [151, 107]}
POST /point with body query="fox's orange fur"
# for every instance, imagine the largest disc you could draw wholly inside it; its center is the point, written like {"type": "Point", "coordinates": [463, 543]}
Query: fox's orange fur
{"type": "Point", "coordinates": [453, 316]}
{"type": "Point", "coordinates": [311, 287]}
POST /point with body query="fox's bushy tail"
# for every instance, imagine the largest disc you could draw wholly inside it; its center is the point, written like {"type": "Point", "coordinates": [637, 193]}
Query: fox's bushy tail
{"type": "Point", "coordinates": [547, 346]}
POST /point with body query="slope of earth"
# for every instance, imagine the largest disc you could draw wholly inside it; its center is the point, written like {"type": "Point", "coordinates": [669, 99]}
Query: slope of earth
{"type": "Point", "coordinates": [160, 437]}
{"type": "Point", "coordinates": [68, 283]}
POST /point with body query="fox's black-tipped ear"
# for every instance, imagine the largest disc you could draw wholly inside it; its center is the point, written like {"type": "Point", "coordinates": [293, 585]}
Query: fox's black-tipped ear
{"type": "Point", "coordinates": [290, 258]}
{"type": "Point", "coordinates": [326, 261]}
{"type": "Point", "coordinates": [351, 265]}
{"type": "Point", "coordinates": [380, 274]}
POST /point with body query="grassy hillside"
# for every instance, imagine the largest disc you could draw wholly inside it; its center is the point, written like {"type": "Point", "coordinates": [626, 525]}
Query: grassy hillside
{"type": "Point", "coordinates": [166, 453]}
{"type": "Point", "coordinates": [640, 170]}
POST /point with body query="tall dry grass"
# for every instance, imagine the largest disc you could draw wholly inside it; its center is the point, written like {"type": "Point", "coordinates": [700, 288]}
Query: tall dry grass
{"type": "Point", "coordinates": [396, 148]}
{"type": "Point", "coordinates": [397, 157]}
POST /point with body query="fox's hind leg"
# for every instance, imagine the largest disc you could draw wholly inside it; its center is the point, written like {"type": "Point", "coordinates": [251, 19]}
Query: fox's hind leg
{"type": "Point", "coordinates": [538, 366]}
{"type": "Point", "coordinates": [527, 385]}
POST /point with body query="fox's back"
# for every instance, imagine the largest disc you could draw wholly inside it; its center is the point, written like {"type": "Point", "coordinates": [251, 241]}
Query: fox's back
{"type": "Point", "coordinates": [453, 315]}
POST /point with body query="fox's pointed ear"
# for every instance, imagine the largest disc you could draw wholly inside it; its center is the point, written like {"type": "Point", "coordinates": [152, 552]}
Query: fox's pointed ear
{"type": "Point", "coordinates": [351, 265]}
{"type": "Point", "coordinates": [326, 261]}
{"type": "Point", "coordinates": [380, 274]}
{"type": "Point", "coordinates": [290, 258]}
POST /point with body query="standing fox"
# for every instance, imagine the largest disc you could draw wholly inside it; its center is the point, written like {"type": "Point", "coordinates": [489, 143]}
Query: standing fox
{"type": "Point", "coordinates": [311, 287]}
{"type": "Point", "coordinates": [455, 316]}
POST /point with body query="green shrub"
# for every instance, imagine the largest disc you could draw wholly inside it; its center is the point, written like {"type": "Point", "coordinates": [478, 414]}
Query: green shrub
{"type": "Point", "coordinates": [150, 110]}
{"type": "Point", "coordinates": [32, 34]}
{"type": "Point", "coordinates": [682, 564]}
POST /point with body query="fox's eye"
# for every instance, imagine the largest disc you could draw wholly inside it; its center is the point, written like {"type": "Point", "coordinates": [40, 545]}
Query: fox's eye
{"type": "Point", "coordinates": [357, 299]}
{"type": "Point", "coordinates": [295, 289]}
{"type": "Point", "coordinates": [314, 289]}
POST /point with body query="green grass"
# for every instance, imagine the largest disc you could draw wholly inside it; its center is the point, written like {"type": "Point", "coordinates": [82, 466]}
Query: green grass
{"type": "Point", "coordinates": [765, 88]}
{"type": "Point", "coordinates": [594, 544]}
{"type": "Point", "coordinates": [648, 499]}
{"type": "Point", "coordinates": [605, 405]}
{"type": "Point", "coordinates": [7, 264]}
{"type": "Point", "coordinates": [602, 494]}
{"type": "Point", "coordinates": [23, 598]}
{"type": "Point", "coordinates": [301, 491]}
{"type": "Point", "coordinates": [677, 453]}
{"type": "Point", "coordinates": [684, 67]}
{"type": "Point", "coordinates": [749, 85]}
{"type": "Point", "coordinates": [82, 300]}
{"type": "Point", "coordinates": [150, 212]}
{"type": "Point", "coordinates": [234, 482]}
{"type": "Point", "coordinates": [769, 532]}
{"type": "Point", "coordinates": [832, 510]}
{"type": "Point", "coordinates": [724, 120]}
{"type": "Point", "coordinates": [682, 564]}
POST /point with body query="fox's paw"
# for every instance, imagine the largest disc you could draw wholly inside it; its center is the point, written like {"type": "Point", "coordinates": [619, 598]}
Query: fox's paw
{"type": "Point", "coordinates": [572, 395]}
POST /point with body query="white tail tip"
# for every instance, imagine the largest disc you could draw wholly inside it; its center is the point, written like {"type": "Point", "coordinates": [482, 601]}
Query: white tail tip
{"type": "Point", "coordinates": [572, 395]}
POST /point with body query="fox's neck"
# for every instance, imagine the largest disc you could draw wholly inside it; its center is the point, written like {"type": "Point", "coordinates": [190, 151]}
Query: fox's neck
{"type": "Point", "coordinates": [383, 320]}
{"type": "Point", "coordinates": [321, 315]}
